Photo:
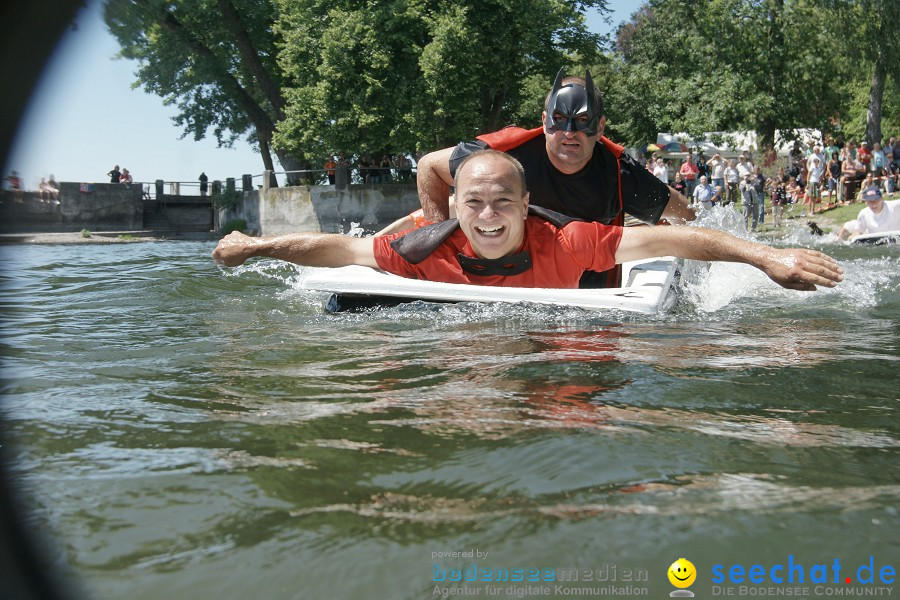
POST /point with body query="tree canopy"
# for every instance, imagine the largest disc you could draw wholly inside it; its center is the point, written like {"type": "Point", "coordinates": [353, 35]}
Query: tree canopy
{"type": "Point", "coordinates": [709, 65]}
{"type": "Point", "coordinates": [307, 78]}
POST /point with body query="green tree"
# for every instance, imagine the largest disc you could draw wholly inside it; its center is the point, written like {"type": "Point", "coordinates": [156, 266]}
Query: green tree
{"type": "Point", "coordinates": [868, 33]}
{"type": "Point", "coordinates": [714, 65]}
{"type": "Point", "coordinates": [412, 75]}
{"type": "Point", "coordinates": [214, 59]}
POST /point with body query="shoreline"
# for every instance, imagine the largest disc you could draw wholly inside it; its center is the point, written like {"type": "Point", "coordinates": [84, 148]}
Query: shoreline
{"type": "Point", "coordinates": [128, 237]}
{"type": "Point", "coordinates": [107, 237]}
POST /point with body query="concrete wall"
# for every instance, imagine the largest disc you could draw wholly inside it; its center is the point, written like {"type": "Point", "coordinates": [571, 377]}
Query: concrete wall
{"type": "Point", "coordinates": [180, 213]}
{"type": "Point", "coordinates": [114, 207]}
{"type": "Point", "coordinates": [102, 207]}
{"type": "Point", "coordinates": [323, 208]}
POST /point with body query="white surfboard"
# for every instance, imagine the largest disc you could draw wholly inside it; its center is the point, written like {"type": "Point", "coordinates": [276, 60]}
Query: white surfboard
{"type": "Point", "coordinates": [883, 237]}
{"type": "Point", "coordinates": [649, 288]}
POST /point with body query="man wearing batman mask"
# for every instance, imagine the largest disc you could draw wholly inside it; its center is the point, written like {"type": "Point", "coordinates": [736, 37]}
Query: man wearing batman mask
{"type": "Point", "coordinates": [570, 168]}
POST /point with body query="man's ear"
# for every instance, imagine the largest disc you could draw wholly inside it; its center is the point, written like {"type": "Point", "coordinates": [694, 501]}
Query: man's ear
{"type": "Point", "coordinates": [601, 126]}
{"type": "Point", "coordinates": [525, 202]}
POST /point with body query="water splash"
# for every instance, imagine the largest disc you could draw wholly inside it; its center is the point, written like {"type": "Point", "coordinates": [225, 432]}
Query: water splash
{"type": "Point", "coordinates": [356, 230]}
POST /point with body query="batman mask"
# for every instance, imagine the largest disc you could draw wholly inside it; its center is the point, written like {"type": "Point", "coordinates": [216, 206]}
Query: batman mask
{"type": "Point", "coordinates": [567, 102]}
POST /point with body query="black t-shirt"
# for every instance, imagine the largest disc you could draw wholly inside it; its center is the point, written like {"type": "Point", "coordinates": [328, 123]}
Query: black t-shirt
{"type": "Point", "coordinates": [591, 194]}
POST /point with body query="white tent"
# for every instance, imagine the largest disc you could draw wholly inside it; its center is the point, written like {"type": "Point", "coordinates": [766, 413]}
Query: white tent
{"type": "Point", "coordinates": [731, 144]}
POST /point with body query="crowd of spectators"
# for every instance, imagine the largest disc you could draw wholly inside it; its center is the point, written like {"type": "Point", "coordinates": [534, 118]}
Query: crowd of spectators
{"type": "Point", "coordinates": [389, 168]}
{"type": "Point", "coordinates": [807, 176]}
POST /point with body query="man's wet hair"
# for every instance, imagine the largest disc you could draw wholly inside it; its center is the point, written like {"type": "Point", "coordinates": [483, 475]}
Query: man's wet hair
{"type": "Point", "coordinates": [520, 170]}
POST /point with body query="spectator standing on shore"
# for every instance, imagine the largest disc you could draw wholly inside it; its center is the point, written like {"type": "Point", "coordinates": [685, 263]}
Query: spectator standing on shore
{"type": "Point", "coordinates": [813, 179]}
{"type": "Point", "coordinates": [744, 167]}
{"type": "Point", "coordinates": [848, 179]}
{"type": "Point", "coordinates": [330, 169]}
{"type": "Point", "coordinates": [877, 160]}
{"type": "Point", "coordinates": [385, 169]}
{"type": "Point", "coordinates": [689, 172]}
{"type": "Point", "coordinates": [365, 169]}
{"type": "Point", "coordinates": [749, 201]}
{"type": "Point", "coordinates": [115, 175]}
{"type": "Point", "coordinates": [716, 166]}
{"type": "Point", "coordinates": [702, 166]}
{"type": "Point", "coordinates": [732, 179]}
{"type": "Point", "coordinates": [759, 186]}
{"type": "Point", "coordinates": [404, 168]}
{"type": "Point", "coordinates": [204, 183]}
{"type": "Point", "coordinates": [779, 195]}
{"type": "Point", "coordinates": [834, 175]}
{"type": "Point", "coordinates": [661, 171]}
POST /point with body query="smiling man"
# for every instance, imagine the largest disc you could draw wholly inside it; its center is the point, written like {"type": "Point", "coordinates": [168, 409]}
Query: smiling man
{"type": "Point", "coordinates": [500, 240]}
{"type": "Point", "coordinates": [570, 168]}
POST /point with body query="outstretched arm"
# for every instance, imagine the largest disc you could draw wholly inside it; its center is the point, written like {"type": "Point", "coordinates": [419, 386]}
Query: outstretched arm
{"type": "Point", "coordinates": [307, 249]}
{"type": "Point", "coordinates": [793, 268]}
{"type": "Point", "coordinates": [677, 211]}
{"type": "Point", "coordinates": [433, 181]}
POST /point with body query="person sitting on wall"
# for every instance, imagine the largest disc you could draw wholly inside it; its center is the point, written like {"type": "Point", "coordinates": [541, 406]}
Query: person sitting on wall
{"type": "Point", "coordinates": [126, 178]}
{"type": "Point", "coordinates": [48, 191]}
{"type": "Point", "coordinates": [12, 183]}
{"type": "Point", "coordinates": [495, 241]}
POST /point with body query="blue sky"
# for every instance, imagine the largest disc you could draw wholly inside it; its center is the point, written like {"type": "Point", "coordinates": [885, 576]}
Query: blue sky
{"type": "Point", "coordinates": [84, 118]}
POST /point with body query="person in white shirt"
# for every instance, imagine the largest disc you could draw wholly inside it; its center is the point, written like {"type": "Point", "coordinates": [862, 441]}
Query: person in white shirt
{"type": "Point", "coordinates": [816, 153]}
{"type": "Point", "coordinates": [744, 167]}
{"type": "Point", "coordinates": [716, 166]}
{"type": "Point", "coordinates": [812, 183]}
{"type": "Point", "coordinates": [732, 178]}
{"type": "Point", "coordinates": [661, 171]}
{"type": "Point", "coordinates": [877, 217]}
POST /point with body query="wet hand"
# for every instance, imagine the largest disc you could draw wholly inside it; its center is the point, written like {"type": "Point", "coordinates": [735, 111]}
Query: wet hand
{"type": "Point", "coordinates": [802, 269]}
{"type": "Point", "coordinates": [234, 249]}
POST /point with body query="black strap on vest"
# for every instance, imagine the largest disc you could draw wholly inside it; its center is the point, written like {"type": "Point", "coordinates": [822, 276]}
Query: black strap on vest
{"type": "Point", "coordinates": [418, 244]}
{"type": "Point", "coordinates": [505, 266]}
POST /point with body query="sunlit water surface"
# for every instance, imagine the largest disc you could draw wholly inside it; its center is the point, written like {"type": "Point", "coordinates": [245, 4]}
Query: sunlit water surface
{"type": "Point", "coordinates": [183, 431]}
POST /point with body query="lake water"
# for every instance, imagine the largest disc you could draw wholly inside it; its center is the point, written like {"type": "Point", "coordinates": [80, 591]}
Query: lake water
{"type": "Point", "coordinates": [182, 431]}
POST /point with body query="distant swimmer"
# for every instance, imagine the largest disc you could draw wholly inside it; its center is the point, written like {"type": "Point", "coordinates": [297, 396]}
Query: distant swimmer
{"type": "Point", "coordinates": [498, 241]}
{"type": "Point", "coordinates": [878, 216]}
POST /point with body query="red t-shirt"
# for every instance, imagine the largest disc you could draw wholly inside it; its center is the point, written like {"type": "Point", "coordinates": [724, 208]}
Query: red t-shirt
{"type": "Point", "coordinates": [689, 171]}
{"type": "Point", "coordinates": [558, 256]}
{"type": "Point", "coordinates": [864, 154]}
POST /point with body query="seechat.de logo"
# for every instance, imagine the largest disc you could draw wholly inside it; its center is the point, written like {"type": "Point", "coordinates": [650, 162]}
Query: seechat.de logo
{"type": "Point", "coordinates": [682, 574]}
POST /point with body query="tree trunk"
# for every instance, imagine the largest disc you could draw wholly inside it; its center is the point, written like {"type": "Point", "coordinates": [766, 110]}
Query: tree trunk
{"type": "Point", "coordinates": [491, 109]}
{"type": "Point", "coordinates": [876, 96]}
{"type": "Point", "coordinates": [250, 57]}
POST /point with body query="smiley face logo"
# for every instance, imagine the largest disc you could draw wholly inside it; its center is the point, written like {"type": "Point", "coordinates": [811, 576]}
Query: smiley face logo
{"type": "Point", "coordinates": [682, 573]}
